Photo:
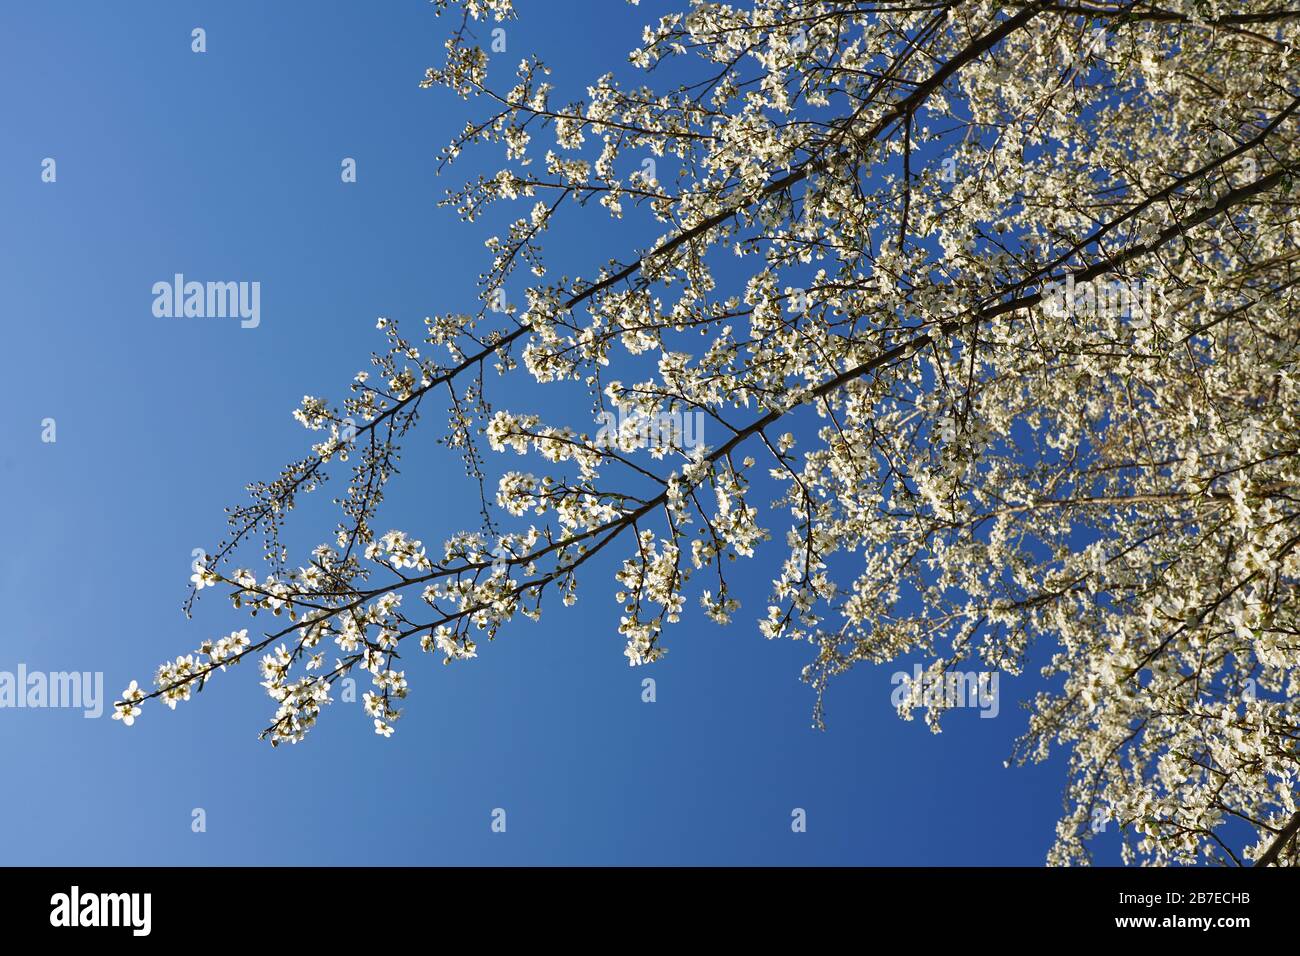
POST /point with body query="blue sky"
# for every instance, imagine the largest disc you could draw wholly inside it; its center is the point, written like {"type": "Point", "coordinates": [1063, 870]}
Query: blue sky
{"type": "Point", "coordinates": [225, 165]}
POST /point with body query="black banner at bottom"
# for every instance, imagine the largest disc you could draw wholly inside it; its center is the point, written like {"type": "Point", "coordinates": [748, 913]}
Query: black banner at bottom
{"type": "Point", "coordinates": [122, 906]}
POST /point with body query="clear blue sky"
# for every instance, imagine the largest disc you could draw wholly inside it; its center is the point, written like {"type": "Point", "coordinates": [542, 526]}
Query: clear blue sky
{"type": "Point", "coordinates": [225, 165]}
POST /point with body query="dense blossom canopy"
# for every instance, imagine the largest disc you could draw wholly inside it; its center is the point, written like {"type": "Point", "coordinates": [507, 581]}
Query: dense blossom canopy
{"type": "Point", "coordinates": [1001, 292]}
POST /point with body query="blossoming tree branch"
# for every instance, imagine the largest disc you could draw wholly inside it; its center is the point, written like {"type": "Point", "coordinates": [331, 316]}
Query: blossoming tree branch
{"type": "Point", "coordinates": [1021, 277]}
